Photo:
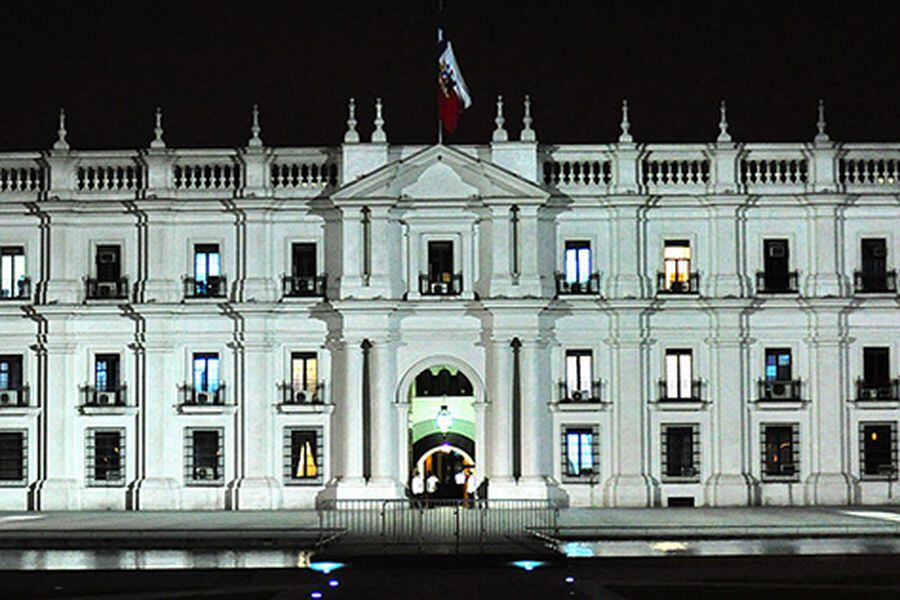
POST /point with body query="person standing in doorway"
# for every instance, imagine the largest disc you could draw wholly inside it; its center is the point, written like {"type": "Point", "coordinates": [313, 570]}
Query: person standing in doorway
{"type": "Point", "coordinates": [469, 493]}
{"type": "Point", "coordinates": [418, 487]}
{"type": "Point", "coordinates": [431, 486]}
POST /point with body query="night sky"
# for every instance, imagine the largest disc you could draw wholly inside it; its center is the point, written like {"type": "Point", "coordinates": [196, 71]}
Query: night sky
{"type": "Point", "coordinates": [206, 63]}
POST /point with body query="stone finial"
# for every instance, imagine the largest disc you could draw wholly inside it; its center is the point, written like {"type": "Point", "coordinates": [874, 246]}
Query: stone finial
{"type": "Point", "coordinates": [351, 136]}
{"type": "Point", "coordinates": [379, 135]}
{"type": "Point", "coordinates": [500, 134]}
{"type": "Point", "coordinates": [527, 134]}
{"type": "Point", "coordinates": [625, 125]}
{"type": "Point", "coordinates": [821, 136]}
{"type": "Point", "coordinates": [724, 136]}
{"type": "Point", "coordinates": [158, 131]}
{"type": "Point", "coordinates": [255, 129]}
{"type": "Point", "coordinates": [61, 143]}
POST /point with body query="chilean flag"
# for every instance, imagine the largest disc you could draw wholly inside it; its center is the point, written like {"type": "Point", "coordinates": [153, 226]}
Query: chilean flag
{"type": "Point", "coordinates": [453, 95]}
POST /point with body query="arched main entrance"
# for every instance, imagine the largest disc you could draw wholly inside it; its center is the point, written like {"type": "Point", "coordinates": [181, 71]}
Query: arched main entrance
{"type": "Point", "coordinates": [441, 429]}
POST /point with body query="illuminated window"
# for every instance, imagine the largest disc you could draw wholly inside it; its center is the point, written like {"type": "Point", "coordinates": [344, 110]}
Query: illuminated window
{"type": "Point", "coordinates": [13, 283]}
{"type": "Point", "coordinates": [781, 451]}
{"type": "Point", "coordinates": [106, 457]}
{"type": "Point", "coordinates": [579, 379]}
{"type": "Point", "coordinates": [207, 271]}
{"type": "Point", "coordinates": [204, 460]}
{"type": "Point", "coordinates": [580, 452]}
{"type": "Point", "coordinates": [206, 372]}
{"type": "Point", "coordinates": [679, 374]}
{"type": "Point", "coordinates": [677, 263]}
{"type": "Point", "coordinates": [303, 455]}
{"type": "Point", "coordinates": [680, 452]}
{"type": "Point", "coordinates": [106, 372]}
{"type": "Point", "coordinates": [878, 450]}
{"type": "Point", "coordinates": [578, 262]}
{"type": "Point", "coordinates": [778, 364]}
{"type": "Point", "coordinates": [10, 372]}
{"type": "Point", "coordinates": [304, 375]}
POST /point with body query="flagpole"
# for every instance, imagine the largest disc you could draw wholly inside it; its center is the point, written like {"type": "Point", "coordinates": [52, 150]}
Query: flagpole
{"type": "Point", "coordinates": [440, 129]}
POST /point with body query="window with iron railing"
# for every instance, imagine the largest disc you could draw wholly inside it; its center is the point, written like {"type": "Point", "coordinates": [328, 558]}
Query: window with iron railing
{"type": "Point", "coordinates": [579, 384]}
{"type": "Point", "coordinates": [14, 284]}
{"type": "Point", "coordinates": [878, 450]}
{"type": "Point", "coordinates": [578, 276]}
{"type": "Point", "coordinates": [108, 282]}
{"type": "Point", "coordinates": [304, 280]}
{"type": "Point", "coordinates": [304, 386]}
{"type": "Point", "coordinates": [107, 388]}
{"type": "Point", "coordinates": [679, 383]}
{"type": "Point", "coordinates": [206, 386]}
{"type": "Point", "coordinates": [778, 383]}
{"type": "Point", "coordinates": [105, 457]}
{"type": "Point", "coordinates": [680, 453]}
{"type": "Point", "coordinates": [776, 276]}
{"type": "Point", "coordinates": [13, 457]}
{"type": "Point", "coordinates": [204, 460]}
{"type": "Point", "coordinates": [441, 279]}
{"type": "Point", "coordinates": [13, 391]}
{"type": "Point", "coordinates": [874, 277]}
{"type": "Point", "coordinates": [303, 455]}
{"type": "Point", "coordinates": [207, 280]}
{"type": "Point", "coordinates": [780, 451]}
{"type": "Point", "coordinates": [581, 453]}
{"type": "Point", "coordinates": [876, 382]}
{"type": "Point", "coordinates": [677, 276]}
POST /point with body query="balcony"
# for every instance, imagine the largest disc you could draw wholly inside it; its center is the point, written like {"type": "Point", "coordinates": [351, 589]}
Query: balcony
{"type": "Point", "coordinates": [443, 284]}
{"type": "Point", "coordinates": [867, 391]}
{"type": "Point", "coordinates": [787, 390]}
{"type": "Point", "coordinates": [777, 283]}
{"type": "Point", "coordinates": [116, 289]}
{"type": "Point", "coordinates": [194, 396]}
{"type": "Point", "coordinates": [111, 395]}
{"type": "Point", "coordinates": [568, 395]}
{"type": "Point", "coordinates": [875, 283]}
{"type": "Point", "coordinates": [298, 394]}
{"type": "Point", "coordinates": [14, 397]}
{"type": "Point", "coordinates": [303, 286]}
{"type": "Point", "coordinates": [22, 291]}
{"type": "Point", "coordinates": [690, 285]}
{"type": "Point", "coordinates": [591, 287]}
{"type": "Point", "coordinates": [211, 287]}
{"type": "Point", "coordinates": [679, 393]}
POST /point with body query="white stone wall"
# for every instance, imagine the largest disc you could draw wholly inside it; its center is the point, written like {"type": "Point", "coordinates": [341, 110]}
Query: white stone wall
{"type": "Point", "coordinates": [413, 195]}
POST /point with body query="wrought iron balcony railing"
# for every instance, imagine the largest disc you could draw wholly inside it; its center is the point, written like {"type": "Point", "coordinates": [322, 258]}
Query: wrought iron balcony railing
{"type": "Point", "coordinates": [21, 290]}
{"type": "Point", "coordinates": [865, 282]}
{"type": "Point", "coordinates": [299, 394]}
{"type": "Point", "coordinates": [440, 284]}
{"type": "Point", "coordinates": [869, 390]}
{"type": "Point", "coordinates": [779, 390]}
{"type": "Point", "coordinates": [303, 286]}
{"type": "Point", "coordinates": [110, 395]}
{"type": "Point", "coordinates": [211, 287]}
{"type": "Point", "coordinates": [777, 283]}
{"type": "Point", "coordinates": [690, 285]}
{"type": "Point", "coordinates": [564, 287]}
{"type": "Point", "coordinates": [13, 396]}
{"type": "Point", "coordinates": [194, 396]}
{"type": "Point", "coordinates": [116, 289]}
{"type": "Point", "coordinates": [678, 394]}
{"type": "Point", "coordinates": [570, 395]}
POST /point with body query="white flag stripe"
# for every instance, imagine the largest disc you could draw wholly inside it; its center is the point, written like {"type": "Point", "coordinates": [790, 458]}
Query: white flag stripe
{"type": "Point", "coordinates": [449, 59]}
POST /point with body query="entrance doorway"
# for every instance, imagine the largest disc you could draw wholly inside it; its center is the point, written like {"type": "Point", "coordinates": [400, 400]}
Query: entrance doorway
{"type": "Point", "coordinates": [442, 433]}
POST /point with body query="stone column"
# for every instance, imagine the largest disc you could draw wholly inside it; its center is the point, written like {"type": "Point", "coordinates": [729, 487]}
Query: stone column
{"type": "Point", "coordinates": [351, 251]}
{"type": "Point", "coordinates": [730, 483]}
{"type": "Point", "coordinates": [499, 248]}
{"type": "Point", "coordinates": [165, 262]}
{"type": "Point", "coordinates": [384, 249]}
{"type": "Point", "coordinates": [499, 450]}
{"type": "Point", "coordinates": [829, 482]}
{"type": "Point", "coordinates": [626, 281]}
{"type": "Point", "coordinates": [531, 281]}
{"type": "Point", "coordinates": [536, 428]}
{"type": "Point", "coordinates": [257, 486]}
{"type": "Point", "coordinates": [630, 484]}
{"type": "Point", "coordinates": [65, 285]}
{"type": "Point", "coordinates": [159, 488]}
{"type": "Point", "coordinates": [57, 489]}
{"type": "Point", "coordinates": [385, 437]}
{"type": "Point", "coordinates": [726, 280]}
{"type": "Point", "coordinates": [259, 285]}
{"type": "Point", "coordinates": [824, 279]}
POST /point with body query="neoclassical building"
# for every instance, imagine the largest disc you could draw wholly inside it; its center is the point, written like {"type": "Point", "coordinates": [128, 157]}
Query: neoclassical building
{"type": "Point", "coordinates": [614, 324]}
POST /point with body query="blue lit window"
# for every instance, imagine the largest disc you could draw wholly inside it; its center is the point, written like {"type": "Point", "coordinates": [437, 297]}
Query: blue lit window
{"type": "Point", "coordinates": [579, 452]}
{"type": "Point", "coordinates": [778, 364]}
{"type": "Point", "coordinates": [206, 372]}
{"type": "Point", "coordinates": [578, 262]}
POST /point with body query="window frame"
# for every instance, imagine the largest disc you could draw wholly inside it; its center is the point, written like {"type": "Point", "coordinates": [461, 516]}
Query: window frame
{"type": "Point", "coordinates": [318, 433]}
{"type": "Point", "coordinates": [680, 385]}
{"type": "Point", "coordinates": [892, 427]}
{"type": "Point", "coordinates": [23, 481]}
{"type": "Point", "coordinates": [579, 354]}
{"type": "Point", "coordinates": [206, 357]}
{"type": "Point", "coordinates": [580, 430]}
{"type": "Point", "coordinates": [767, 476]}
{"type": "Point", "coordinates": [577, 249]}
{"type": "Point", "coordinates": [680, 275]}
{"type": "Point", "coordinates": [190, 456]}
{"type": "Point", "coordinates": [15, 283]}
{"type": "Point", "coordinates": [696, 456]}
{"type": "Point", "coordinates": [91, 457]}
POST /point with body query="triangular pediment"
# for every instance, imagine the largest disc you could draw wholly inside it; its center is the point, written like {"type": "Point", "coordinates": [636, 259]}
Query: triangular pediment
{"type": "Point", "coordinates": [440, 173]}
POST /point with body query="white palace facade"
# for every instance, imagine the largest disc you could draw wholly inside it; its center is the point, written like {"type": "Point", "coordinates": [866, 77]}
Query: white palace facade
{"type": "Point", "coordinates": [614, 324]}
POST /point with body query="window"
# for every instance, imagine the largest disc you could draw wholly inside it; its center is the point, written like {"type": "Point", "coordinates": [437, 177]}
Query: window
{"type": "Point", "coordinates": [778, 364]}
{"type": "Point", "coordinates": [207, 270]}
{"type": "Point", "coordinates": [579, 379]}
{"type": "Point", "coordinates": [578, 262]}
{"type": "Point", "coordinates": [109, 267]}
{"type": "Point", "coordinates": [206, 373]}
{"type": "Point", "coordinates": [106, 372]}
{"type": "Point", "coordinates": [303, 260]}
{"type": "Point", "coordinates": [13, 283]}
{"type": "Point", "coordinates": [204, 456]}
{"type": "Point", "coordinates": [303, 455]}
{"type": "Point", "coordinates": [679, 375]}
{"type": "Point", "coordinates": [13, 458]}
{"type": "Point", "coordinates": [878, 450]}
{"type": "Point", "coordinates": [874, 257]}
{"type": "Point", "coordinates": [105, 457]}
{"type": "Point", "coordinates": [681, 452]}
{"type": "Point", "coordinates": [677, 265]}
{"type": "Point", "coordinates": [581, 451]}
{"type": "Point", "coordinates": [10, 372]}
{"type": "Point", "coordinates": [877, 366]}
{"type": "Point", "coordinates": [304, 377]}
{"type": "Point", "coordinates": [440, 261]}
{"type": "Point", "coordinates": [776, 261]}
{"type": "Point", "coordinates": [780, 451]}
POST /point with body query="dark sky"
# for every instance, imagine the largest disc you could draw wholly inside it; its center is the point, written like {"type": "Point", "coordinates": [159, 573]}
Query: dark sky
{"type": "Point", "coordinates": [206, 63]}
